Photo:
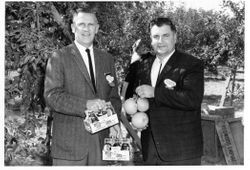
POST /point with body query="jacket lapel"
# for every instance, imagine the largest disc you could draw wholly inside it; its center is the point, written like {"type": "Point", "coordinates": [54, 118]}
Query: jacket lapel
{"type": "Point", "coordinates": [151, 61]}
{"type": "Point", "coordinates": [169, 65]}
{"type": "Point", "coordinates": [81, 64]}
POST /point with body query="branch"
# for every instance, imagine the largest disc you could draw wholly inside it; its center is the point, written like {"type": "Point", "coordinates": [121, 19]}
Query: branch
{"type": "Point", "coordinates": [59, 20]}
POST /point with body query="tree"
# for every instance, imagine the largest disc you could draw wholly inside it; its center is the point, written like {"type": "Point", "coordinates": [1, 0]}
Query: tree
{"type": "Point", "coordinates": [35, 29]}
{"type": "Point", "coordinates": [234, 41]}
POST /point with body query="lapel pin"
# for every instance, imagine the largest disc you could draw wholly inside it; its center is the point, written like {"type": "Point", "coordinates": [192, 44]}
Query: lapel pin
{"type": "Point", "coordinates": [110, 79]}
{"type": "Point", "coordinates": [169, 84]}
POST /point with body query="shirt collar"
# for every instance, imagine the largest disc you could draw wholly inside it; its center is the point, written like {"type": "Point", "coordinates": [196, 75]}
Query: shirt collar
{"type": "Point", "coordinates": [166, 58]}
{"type": "Point", "coordinates": [81, 47]}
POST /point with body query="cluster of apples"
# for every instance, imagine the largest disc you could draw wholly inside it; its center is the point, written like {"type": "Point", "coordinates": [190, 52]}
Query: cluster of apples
{"type": "Point", "coordinates": [136, 108]}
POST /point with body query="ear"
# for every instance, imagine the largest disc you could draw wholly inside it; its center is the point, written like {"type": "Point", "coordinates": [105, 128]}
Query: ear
{"type": "Point", "coordinates": [175, 37]}
{"type": "Point", "coordinates": [73, 28]}
{"type": "Point", "coordinates": [97, 28]}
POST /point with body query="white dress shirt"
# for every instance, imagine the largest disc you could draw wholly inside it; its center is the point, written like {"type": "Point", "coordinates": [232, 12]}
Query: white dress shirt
{"type": "Point", "coordinates": [85, 56]}
{"type": "Point", "coordinates": [155, 70]}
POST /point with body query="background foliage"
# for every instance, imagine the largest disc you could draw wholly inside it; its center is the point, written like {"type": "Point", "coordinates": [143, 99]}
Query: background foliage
{"type": "Point", "coordinates": [34, 29]}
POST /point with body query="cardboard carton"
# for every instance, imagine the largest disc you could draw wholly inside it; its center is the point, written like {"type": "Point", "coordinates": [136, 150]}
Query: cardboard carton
{"type": "Point", "coordinates": [96, 121]}
{"type": "Point", "coordinates": [117, 149]}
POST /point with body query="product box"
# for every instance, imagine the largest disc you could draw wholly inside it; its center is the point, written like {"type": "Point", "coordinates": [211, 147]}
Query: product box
{"type": "Point", "coordinates": [96, 121]}
{"type": "Point", "coordinates": [117, 149]}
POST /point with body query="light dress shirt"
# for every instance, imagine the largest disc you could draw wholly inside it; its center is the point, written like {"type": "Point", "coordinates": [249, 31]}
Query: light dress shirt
{"type": "Point", "coordinates": [157, 67]}
{"type": "Point", "coordinates": [85, 56]}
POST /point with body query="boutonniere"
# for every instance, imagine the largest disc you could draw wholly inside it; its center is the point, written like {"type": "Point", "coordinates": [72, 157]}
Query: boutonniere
{"type": "Point", "coordinates": [169, 84]}
{"type": "Point", "coordinates": [110, 79]}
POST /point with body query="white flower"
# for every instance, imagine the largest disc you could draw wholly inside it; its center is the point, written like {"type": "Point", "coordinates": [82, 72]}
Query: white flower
{"type": "Point", "coordinates": [110, 80]}
{"type": "Point", "coordinates": [169, 83]}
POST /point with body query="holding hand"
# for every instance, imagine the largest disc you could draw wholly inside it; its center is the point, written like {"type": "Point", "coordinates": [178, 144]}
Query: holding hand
{"type": "Point", "coordinates": [135, 55]}
{"type": "Point", "coordinates": [115, 132]}
{"type": "Point", "coordinates": [145, 91]}
{"type": "Point", "coordinates": [95, 104]}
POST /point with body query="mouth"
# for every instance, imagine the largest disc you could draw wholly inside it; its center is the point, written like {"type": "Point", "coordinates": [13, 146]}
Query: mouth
{"type": "Point", "coordinates": [85, 35]}
{"type": "Point", "coordinates": [160, 47]}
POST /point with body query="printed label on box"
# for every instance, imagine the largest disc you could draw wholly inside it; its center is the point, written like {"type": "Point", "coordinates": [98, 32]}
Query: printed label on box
{"type": "Point", "coordinates": [117, 149]}
{"type": "Point", "coordinates": [96, 121]}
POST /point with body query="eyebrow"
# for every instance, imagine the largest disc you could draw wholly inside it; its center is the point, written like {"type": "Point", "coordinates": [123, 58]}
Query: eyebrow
{"type": "Point", "coordinates": [89, 23]}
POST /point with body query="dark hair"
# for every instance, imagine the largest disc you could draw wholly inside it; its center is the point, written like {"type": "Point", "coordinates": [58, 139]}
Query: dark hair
{"type": "Point", "coordinates": [162, 21]}
{"type": "Point", "coordinates": [85, 8]}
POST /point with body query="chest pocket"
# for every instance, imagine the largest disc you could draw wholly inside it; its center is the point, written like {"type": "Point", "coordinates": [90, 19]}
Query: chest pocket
{"type": "Point", "coordinates": [178, 76]}
{"type": "Point", "coordinates": [103, 83]}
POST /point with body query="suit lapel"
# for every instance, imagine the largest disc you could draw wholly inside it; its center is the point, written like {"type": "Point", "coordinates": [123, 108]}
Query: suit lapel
{"type": "Point", "coordinates": [169, 65]}
{"type": "Point", "coordinates": [81, 64]}
{"type": "Point", "coordinates": [150, 68]}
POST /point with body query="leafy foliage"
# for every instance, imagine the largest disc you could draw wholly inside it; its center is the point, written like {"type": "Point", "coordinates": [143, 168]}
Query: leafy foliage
{"type": "Point", "coordinates": [35, 29]}
{"type": "Point", "coordinates": [25, 139]}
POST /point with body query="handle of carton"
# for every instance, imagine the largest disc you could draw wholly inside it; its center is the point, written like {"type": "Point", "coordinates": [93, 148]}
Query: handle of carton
{"type": "Point", "coordinates": [130, 130]}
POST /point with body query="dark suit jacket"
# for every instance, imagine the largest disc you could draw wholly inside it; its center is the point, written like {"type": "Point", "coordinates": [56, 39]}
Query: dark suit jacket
{"type": "Point", "coordinates": [67, 88]}
{"type": "Point", "coordinates": [175, 121]}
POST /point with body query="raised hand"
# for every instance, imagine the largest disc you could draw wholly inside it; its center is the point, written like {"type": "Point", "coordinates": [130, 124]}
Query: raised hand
{"type": "Point", "coordinates": [145, 91]}
{"type": "Point", "coordinates": [95, 104]}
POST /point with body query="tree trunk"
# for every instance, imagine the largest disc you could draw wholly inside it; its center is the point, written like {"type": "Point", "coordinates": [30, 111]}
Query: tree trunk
{"type": "Point", "coordinates": [233, 72]}
{"type": "Point", "coordinates": [59, 20]}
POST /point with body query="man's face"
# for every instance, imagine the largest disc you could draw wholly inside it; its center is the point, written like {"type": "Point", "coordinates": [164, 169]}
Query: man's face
{"type": "Point", "coordinates": [85, 27]}
{"type": "Point", "coordinates": [163, 39]}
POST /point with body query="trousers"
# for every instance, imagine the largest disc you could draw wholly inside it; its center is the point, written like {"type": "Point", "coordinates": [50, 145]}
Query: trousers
{"type": "Point", "coordinates": [92, 158]}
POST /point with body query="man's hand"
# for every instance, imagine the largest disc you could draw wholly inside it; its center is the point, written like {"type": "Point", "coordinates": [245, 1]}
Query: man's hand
{"type": "Point", "coordinates": [115, 131]}
{"type": "Point", "coordinates": [95, 104]}
{"type": "Point", "coordinates": [145, 91]}
{"type": "Point", "coordinates": [135, 55]}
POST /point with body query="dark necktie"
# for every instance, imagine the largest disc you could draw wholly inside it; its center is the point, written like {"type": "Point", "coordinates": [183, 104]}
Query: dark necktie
{"type": "Point", "coordinates": [92, 77]}
{"type": "Point", "coordinates": [159, 72]}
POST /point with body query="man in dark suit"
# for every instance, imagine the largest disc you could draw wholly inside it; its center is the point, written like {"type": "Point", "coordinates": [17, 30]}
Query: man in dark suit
{"type": "Point", "coordinates": [76, 80]}
{"type": "Point", "coordinates": [173, 82]}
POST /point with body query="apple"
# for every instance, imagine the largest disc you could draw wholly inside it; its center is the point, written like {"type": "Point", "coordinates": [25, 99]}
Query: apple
{"type": "Point", "coordinates": [130, 106]}
{"type": "Point", "coordinates": [140, 120]}
{"type": "Point", "coordinates": [142, 104]}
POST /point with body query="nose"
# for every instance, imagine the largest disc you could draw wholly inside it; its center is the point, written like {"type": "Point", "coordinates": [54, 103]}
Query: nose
{"type": "Point", "coordinates": [160, 39]}
{"type": "Point", "coordinates": [84, 27]}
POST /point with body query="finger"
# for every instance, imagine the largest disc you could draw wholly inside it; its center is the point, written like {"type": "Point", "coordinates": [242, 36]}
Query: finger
{"type": "Point", "coordinates": [117, 133]}
{"type": "Point", "coordinates": [102, 103]}
{"type": "Point", "coordinates": [142, 95]}
{"type": "Point", "coordinates": [94, 108]}
{"type": "Point", "coordinates": [140, 92]}
{"type": "Point", "coordinates": [98, 104]}
{"type": "Point", "coordinates": [119, 136]}
{"type": "Point", "coordinates": [137, 89]}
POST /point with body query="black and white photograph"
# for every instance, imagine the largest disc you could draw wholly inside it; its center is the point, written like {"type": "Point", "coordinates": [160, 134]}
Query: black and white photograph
{"type": "Point", "coordinates": [172, 71]}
